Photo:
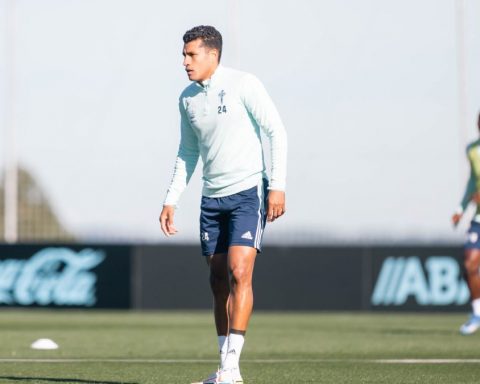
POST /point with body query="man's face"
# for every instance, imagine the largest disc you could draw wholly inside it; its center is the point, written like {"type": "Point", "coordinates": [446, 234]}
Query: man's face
{"type": "Point", "coordinates": [200, 62]}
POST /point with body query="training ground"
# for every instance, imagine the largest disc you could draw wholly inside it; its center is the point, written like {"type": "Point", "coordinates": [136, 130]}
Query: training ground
{"type": "Point", "coordinates": [180, 347]}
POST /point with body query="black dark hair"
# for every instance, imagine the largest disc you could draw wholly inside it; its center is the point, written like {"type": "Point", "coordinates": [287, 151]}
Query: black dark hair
{"type": "Point", "coordinates": [210, 36]}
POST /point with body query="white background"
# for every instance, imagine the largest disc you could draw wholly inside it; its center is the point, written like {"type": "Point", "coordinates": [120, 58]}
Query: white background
{"type": "Point", "coordinates": [368, 91]}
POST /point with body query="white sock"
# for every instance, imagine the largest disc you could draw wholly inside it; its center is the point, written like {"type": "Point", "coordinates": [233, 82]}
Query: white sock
{"type": "Point", "coordinates": [235, 346]}
{"type": "Point", "coordinates": [223, 347]}
{"type": "Point", "coordinates": [476, 307]}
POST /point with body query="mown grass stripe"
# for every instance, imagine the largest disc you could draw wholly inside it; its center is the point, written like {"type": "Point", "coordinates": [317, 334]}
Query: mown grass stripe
{"type": "Point", "coordinates": [253, 361]}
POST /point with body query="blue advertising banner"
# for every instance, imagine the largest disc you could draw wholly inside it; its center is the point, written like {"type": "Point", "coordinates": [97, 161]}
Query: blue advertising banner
{"type": "Point", "coordinates": [65, 276]}
{"type": "Point", "coordinates": [396, 278]}
{"type": "Point", "coordinates": [391, 278]}
{"type": "Point", "coordinates": [418, 278]}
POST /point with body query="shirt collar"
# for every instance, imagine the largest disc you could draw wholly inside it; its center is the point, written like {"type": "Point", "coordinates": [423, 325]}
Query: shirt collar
{"type": "Point", "coordinates": [213, 79]}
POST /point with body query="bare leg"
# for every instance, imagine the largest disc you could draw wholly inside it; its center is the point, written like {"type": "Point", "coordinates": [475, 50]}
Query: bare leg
{"type": "Point", "coordinates": [472, 265]}
{"type": "Point", "coordinates": [221, 290]}
{"type": "Point", "coordinates": [241, 260]}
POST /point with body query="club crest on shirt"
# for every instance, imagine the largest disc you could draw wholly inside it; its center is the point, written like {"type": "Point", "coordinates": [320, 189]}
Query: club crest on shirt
{"type": "Point", "coordinates": [222, 108]}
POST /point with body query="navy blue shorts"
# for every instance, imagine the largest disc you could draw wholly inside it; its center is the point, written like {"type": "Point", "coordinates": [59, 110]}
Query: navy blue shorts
{"type": "Point", "coordinates": [237, 219]}
{"type": "Point", "coordinates": [473, 236]}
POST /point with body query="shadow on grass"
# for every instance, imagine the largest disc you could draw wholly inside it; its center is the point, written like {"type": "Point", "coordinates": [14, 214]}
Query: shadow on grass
{"type": "Point", "coordinates": [399, 331]}
{"type": "Point", "coordinates": [61, 380]}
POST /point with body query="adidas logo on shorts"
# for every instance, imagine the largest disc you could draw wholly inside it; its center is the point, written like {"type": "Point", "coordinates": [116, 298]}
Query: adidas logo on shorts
{"type": "Point", "coordinates": [247, 235]}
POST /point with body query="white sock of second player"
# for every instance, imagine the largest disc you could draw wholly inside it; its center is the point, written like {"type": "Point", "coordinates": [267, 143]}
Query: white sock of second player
{"type": "Point", "coordinates": [476, 307]}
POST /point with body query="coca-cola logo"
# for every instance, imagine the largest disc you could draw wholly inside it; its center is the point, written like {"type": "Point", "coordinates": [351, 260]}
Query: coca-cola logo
{"type": "Point", "coordinates": [52, 276]}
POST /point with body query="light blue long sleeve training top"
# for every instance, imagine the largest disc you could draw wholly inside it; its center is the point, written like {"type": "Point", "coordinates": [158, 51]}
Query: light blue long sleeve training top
{"type": "Point", "coordinates": [473, 184]}
{"type": "Point", "coordinates": [221, 121]}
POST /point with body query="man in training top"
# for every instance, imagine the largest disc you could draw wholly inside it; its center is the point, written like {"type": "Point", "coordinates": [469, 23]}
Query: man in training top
{"type": "Point", "coordinates": [472, 244]}
{"type": "Point", "coordinates": [222, 112]}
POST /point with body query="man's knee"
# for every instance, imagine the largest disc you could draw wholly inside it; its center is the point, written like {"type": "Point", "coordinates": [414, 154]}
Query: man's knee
{"type": "Point", "coordinates": [218, 283]}
{"type": "Point", "coordinates": [219, 279]}
{"type": "Point", "coordinates": [241, 276]}
{"type": "Point", "coordinates": [472, 263]}
{"type": "Point", "coordinates": [240, 265]}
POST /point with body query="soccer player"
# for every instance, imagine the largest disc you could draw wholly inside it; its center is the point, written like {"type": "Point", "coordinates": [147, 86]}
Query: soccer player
{"type": "Point", "coordinates": [472, 245]}
{"type": "Point", "coordinates": [222, 114]}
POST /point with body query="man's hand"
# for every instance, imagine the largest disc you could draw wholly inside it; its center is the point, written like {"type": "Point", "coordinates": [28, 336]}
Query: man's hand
{"type": "Point", "coordinates": [456, 218]}
{"type": "Point", "coordinates": [275, 205]}
{"type": "Point", "coordinates": [166, 220]}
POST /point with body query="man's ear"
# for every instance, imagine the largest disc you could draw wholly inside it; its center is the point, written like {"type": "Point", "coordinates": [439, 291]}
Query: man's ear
{"type": "Point", "coordinates": [214, 52]}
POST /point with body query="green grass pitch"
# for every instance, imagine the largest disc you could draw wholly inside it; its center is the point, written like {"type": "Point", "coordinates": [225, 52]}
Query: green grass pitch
{"type": "Point", "coordinates": [180, 347]}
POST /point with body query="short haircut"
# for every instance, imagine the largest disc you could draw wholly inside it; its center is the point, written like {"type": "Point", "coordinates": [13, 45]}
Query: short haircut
{"type": "Point", "coordinates": [210, 36]}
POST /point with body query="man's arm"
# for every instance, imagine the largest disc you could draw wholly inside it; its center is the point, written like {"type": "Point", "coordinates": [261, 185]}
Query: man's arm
{"type": "Point", "coordinates": [185, 164]}
{"type": "Point", "coordinates": [469, 194]}
{"type": "Point", "coordinates": [261, 107]}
